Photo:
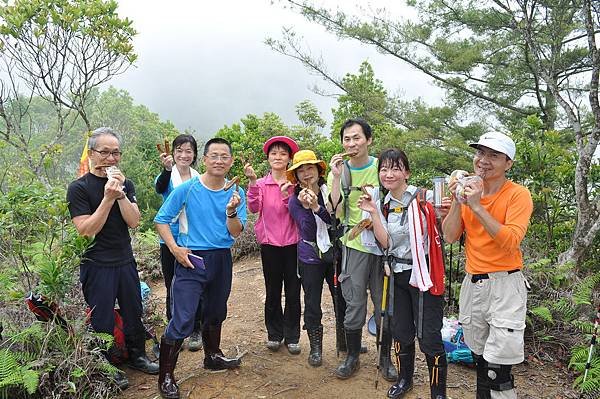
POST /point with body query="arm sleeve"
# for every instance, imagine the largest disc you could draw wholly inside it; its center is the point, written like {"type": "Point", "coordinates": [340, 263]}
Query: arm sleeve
{"type": "Point", "coordinates": [304, 219]}
{"type": "Point", "coordinates": [161, 184]}
{"type": "Point", "coordinates": [130, 191]}
{"type": "Point", "coordinates": [78, 200]}
{"type": "Point", "coordinates": [255, 197]}
{"type": "Point", "coordinates": [172, 205]}
{"type": "Point", "coordinates": [384, 222]}
{"type": "Point", "coordinates": [323, 214]}
{"type": "Point", "coordinates": [295, 210]}
{"type": "Point", "coordinates": [518, 212]}
{"type": "Point", "coordinates": [341, 200]}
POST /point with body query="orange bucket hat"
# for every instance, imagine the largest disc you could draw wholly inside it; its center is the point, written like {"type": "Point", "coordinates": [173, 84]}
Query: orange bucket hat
{"type": "Point", "coordinates": [305, 157]}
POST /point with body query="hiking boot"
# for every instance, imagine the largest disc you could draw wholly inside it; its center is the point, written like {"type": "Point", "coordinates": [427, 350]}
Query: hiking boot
{"type": "Point", "coordinates": [294, 349]}
{"type": "Point", "coordinates": [273, 346]}
{"type": "Point", "coordinates": [195, 341]}
{"type": "Point", "coordinates": [120, 379]}
{"type": "Point", "coordinates": [405, 361]}
{"type": "Point", "coordinates": [352, 363]}
{"type": "Point", "coordinates": [315, 336]}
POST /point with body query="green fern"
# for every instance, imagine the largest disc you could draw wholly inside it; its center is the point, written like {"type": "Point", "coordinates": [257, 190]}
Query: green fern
{"type": "Point", "coordinates": [579, 356]}
{"type": "Point", "coordinates": [591, 383]}
{"type": "Point", "coordinates": [10, 371]}
{"type": "Point", "coordinates": [14, 375]}
{"type": "Point", "coordinates": [584, 326]}
{"type": "Point", "coordinates": [31, 380]}
{"type": "Point", "coordinates": [583, 294]}
{"type": "Point", "coordinates": [565, 309]}
{"type": "Point", "coordinates": [543, 313]}
{"type": "Point", "coordinates": [107, 340]}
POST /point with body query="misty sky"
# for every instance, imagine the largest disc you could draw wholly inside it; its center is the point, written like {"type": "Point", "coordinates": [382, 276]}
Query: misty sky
{"type": "Point", "coordinates": [203, 64]}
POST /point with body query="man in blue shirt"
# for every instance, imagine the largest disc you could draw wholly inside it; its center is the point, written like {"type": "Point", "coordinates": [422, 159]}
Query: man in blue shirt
{"type": "Point", "coordinates": [211, 215]}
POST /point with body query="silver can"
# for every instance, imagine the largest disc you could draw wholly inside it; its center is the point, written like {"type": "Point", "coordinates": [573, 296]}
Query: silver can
{"type": "Point", "coordinates": [439, 188]}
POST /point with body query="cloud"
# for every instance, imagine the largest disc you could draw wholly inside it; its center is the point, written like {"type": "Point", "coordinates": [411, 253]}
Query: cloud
{"type": "Point", "coordinates": [204, 65]}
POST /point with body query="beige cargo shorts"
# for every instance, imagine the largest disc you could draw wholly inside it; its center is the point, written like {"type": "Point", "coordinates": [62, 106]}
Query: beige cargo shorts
{"type": "Point", "coordinates": [492, 314]}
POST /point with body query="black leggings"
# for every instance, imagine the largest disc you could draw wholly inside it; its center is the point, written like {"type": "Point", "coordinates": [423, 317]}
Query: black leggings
{"type": "Point", "coordinates": [280, 269]}
{"type": "Point", "coordinates": [312, 276]}
{"type": "Point", "coordinates": [406, 312]}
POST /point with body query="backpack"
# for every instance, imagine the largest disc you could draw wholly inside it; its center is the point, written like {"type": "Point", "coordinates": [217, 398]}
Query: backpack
{"type": "Point", "coordinates": [118, 351]}
{"type": "Point", "coordinates": [436, 266]}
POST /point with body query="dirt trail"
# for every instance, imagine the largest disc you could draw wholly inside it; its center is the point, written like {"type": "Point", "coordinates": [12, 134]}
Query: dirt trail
{"type": "Point", "coordinates": [280, 375]}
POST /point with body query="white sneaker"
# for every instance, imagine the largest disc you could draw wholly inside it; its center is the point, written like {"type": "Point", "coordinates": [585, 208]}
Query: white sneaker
{"type": "Point", "coordinates": [273, 346]}
{"type": "Point", "coordinates": [294, 349]}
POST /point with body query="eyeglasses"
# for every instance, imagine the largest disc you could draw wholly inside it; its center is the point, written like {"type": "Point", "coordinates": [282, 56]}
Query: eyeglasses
{"type": "Point", "coordinates": [215, 157]}
{"type": "Point", "coordinates": [105, 154]}
{"type": "Point", "coordinates": [491, 155]}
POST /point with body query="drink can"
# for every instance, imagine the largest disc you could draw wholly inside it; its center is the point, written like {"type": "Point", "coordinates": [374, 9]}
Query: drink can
{"type": "Point", "coordinates": [439, 188]}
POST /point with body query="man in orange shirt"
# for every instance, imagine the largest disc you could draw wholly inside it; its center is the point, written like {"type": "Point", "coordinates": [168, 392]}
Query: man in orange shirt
{"type": "Point", "coordinates": [493, 297]}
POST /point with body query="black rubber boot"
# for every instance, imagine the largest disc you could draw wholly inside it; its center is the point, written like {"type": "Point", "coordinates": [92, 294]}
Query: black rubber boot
{"type": "Point", "coordinates": [120, 379]}
{"type": "Point", "coordinates": [386, 368]}
{"type": "Point", "coordinates": [169, 352]}
{"type": "Point", "coordinates": [438, 370]}
{"type": "Point", "coordinates": [340, 339]}
{"type": "Point", "coordinates": [352, 363]}
{"type": "Point", "coordinates": [213, 356]}
{"type": "Point", "coordinates": [138, 360]}
{"type": "Point", "coordinates": [483, 388]}
{"type": "Point", "coordinates": [315, 336]}
{"type": "Point", "coordinates": [405, 361]}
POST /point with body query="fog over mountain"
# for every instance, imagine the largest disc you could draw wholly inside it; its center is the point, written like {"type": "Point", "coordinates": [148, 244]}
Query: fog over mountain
{"type": "Point", "coordinates": [204, 65]}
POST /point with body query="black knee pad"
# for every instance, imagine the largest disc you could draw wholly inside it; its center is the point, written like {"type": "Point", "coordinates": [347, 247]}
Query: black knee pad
{"type": "Point", "coordinates": [499, 377]}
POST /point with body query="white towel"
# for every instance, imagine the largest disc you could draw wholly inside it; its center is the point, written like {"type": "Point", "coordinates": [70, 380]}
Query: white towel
{"type": "Point", "coordinates": [420, 275]}
{"type": "Point", "coordinates": [367, 237]}
{"type": "Point", "coordinates": [176, 181]}
{"type": "Point", "coordinates": [323, 241]}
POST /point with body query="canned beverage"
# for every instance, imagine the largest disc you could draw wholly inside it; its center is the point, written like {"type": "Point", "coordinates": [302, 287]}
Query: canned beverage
{"type": "Point", "coordinates": [439, 188]}
{"type": "Point", "coordinates": [111, 171]}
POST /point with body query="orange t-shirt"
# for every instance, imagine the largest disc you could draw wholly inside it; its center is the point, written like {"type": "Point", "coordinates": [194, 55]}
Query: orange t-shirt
{"type": "Point", "coordinates": [512, 207]}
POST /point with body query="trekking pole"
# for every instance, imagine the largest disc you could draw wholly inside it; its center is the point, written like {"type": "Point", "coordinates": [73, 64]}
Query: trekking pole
{"type": "Point", "coordinates": [450, 261]}
{"type": "Point", "coordinates": [334, 227]}
{"type": "Point", "coordinates": [591, 351]}
{"type": "Point", "coordinates": [335, 304]}
{"type": "Point", "coordinates": [381, 317]}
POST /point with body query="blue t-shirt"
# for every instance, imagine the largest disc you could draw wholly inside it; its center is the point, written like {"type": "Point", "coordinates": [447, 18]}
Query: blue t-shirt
{"type": "Point", "coordinates": [205, 210]}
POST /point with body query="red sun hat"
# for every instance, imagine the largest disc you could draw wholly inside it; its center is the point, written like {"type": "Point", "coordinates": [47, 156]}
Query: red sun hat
{"type": "Point", "coordinates": [283, 139]}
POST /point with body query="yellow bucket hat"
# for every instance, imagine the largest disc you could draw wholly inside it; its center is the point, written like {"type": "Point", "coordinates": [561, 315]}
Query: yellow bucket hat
{"type": "Point", "coordinates": [304, 157]}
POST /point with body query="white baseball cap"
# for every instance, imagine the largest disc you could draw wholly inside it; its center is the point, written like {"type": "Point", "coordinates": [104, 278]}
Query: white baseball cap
{"type": "Point", "coordinates": [498, 142]}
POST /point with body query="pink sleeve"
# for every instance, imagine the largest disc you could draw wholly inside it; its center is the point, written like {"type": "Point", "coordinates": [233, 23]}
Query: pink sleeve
{"type": "Point", "coordinates": [255, 197]}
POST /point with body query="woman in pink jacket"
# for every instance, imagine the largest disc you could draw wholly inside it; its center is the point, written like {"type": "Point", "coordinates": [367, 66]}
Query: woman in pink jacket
{"type": "Point", "coordinates": [278, 237]}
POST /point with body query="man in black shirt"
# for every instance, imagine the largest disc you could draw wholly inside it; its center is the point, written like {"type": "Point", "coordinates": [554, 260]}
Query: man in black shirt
{"type": "Point", "coordinates": [102, 205]}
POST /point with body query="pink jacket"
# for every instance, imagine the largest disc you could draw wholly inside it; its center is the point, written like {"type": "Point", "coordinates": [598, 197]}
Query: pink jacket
{"type": "Point", "coordinates": [274, 225]}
